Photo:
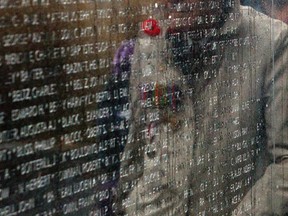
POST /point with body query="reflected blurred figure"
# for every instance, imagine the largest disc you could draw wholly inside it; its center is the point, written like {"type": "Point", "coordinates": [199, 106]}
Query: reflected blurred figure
{"type": "Point", "coordinates": [208, 127]}
{"type": "Point", "coordinates": [277, 9]}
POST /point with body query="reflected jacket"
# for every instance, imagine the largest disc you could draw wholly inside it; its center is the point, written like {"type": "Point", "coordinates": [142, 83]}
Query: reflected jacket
{"type": "Point", "coordinates": [208, 130]}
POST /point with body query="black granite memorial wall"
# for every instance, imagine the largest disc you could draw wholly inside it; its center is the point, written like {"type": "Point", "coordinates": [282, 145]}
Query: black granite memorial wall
{"type": "Point", "coordinates": [66, 112]}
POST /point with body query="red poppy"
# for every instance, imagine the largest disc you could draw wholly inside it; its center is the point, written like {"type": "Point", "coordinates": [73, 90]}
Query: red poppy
{"type": "Point", "coordinates": [150, 27]}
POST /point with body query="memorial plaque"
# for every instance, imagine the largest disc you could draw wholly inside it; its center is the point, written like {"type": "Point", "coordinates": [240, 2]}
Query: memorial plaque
{"type": "Point", "coordinates": [59, 145]}
{"type": "Point", "coordinates": [113, 107]}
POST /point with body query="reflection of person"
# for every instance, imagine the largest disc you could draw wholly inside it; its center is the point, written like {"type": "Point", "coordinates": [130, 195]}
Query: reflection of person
{"type": "Point", "coordinates": [208, 132]}
{"type": "Point", "coordinates": [277, 9]}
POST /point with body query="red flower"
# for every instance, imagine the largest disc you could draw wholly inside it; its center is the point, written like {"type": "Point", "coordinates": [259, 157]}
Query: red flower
{"type": "Point", "coordinates": [150, 27]}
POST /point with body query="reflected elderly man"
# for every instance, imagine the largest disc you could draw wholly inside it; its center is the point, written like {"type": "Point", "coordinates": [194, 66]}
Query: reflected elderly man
{"type": "Point", "coordinates": [278, 9]}
{"type": "Point", "coordinates": [208, 133]}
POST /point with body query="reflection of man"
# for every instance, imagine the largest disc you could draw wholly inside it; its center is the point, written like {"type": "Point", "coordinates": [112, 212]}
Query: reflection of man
{"type": "Point", "coordinates": [208, 132]}
{"type": "Point", "coordinates": [277, 9]}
